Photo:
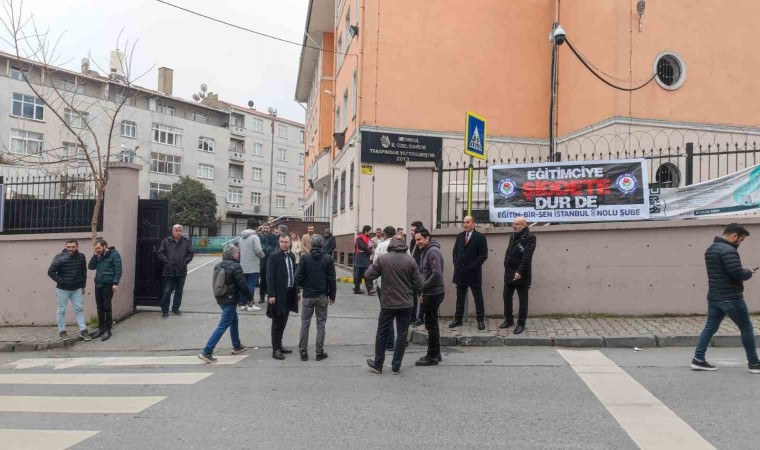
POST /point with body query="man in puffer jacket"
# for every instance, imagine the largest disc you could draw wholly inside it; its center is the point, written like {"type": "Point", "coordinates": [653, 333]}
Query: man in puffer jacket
{"type": "Point", "coordinates": [106, 262]}
{"type": "Point", "coordinates": [234, 280]}
{"type": "Point", "coordinates": [69, 271]}
{"type": "Point", "coordinates": [432, 291]}
{"type": "Point", "coordinates": [725, 296]}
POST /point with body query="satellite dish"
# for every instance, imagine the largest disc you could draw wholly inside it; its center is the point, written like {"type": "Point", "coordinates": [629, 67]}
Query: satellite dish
{"type": "Point", "coordinates": [196, 97]}
{"type": "Point", "coordinates": [202, 95]}
{"type": "Point", "coordinates": [250, 103]}
{"type": "Point", "coordinates": [204, 88]}
{"type": "Point", "coordinates": [270, 109]}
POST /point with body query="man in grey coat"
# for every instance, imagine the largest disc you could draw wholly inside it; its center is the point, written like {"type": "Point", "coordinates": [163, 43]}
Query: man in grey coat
{"type": "Point", "coordinates": [251, 253]}
{"type": "Point", "coordinates": [432, 292]}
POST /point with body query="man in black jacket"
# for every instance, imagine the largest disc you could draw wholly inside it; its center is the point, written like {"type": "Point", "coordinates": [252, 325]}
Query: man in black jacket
{"type": "Point", "coordinates": [175, 253]}
{"type": "Point", "coordinates": [282, 290]}
{"type": "Point", "coordinates": [106, 262]}
{"type": "Point", "coordinates": [470, 252]}
{"type": "Point", "coordinates": [69, 271]}
{"type": "Point", "coordinates": [269, 243]}
{"type": "Point", "coordinates": [316, 277]}
{"type": "Point", "coordinates": [432, 291]}
{"type": "Point", "coordinates": [418, 318]}
{"type": "Point", "coordinates": [329, 247]}
{"type": "Point", "coordinates": [235, 287]}
{"type": "Point", "coordinates": [518, 260]}
{"type": "Point", "coordinates": [725, 296]}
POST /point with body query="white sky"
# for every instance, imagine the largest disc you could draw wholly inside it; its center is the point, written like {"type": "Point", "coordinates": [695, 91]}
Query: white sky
{"type": "Point", "coordinates": [238, 65]}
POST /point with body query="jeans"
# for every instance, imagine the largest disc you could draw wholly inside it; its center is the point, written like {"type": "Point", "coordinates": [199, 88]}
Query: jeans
{"type": "Point", "coordinates": [384, 325]}
{"type": "Point", "coordinates": [176, 284]}
{"type": "Point", "coordinates": [522, 295]}
{"type": "Point", "coordinates": [229, 320]}
{"type": "Point", "coordinates": [391, 341]}
{"type": "Point", "coordinates": [278, 328]}
{"type": "Point", "coordinates": [358, 276]}
{"type": "Point", "coordinates": [76, 303]}
{"type": "Point", "coordinates": [431, 305]}
{"type": "Point", "coordinates": [103, 297]}
{"type": "Point", "coordinates": [477, 293]}
{"type": "Point", "coordinates": [309, 306]}
{"type": "Point", "coordinates": [737, 311]}
{"type": "Point", "coordinates": [251, 279]}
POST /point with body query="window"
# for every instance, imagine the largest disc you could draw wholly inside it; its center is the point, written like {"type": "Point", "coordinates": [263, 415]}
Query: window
{"type": "Point", "coordinates": [236, 171]}
{"type": "Point", "coordinates": [344, 122]}
{"type": "Point", "coordinates": [165, 108]}
{"type": "Point", "coordinates": [28, 107]}
{"type": "Point", "coordinates": [128, 129]}
{"type": "Point", "coordinates": [75, 119]}
{"type": "Point", "coordinates": [300, 202]}
{"type": "Point", "coordinates": [237, 120]}
{"type": "Point", "coordinates": [280, 177]}
{"type": "Point", "coordinates": [235, 194]}
{"type": "Point", "coordinates": [300, 181]}
{"type": "Point", "coordinates": [163, 163]}
{"type": "Point", "coordinates": [258, 125]}
{"type": "Point", "coordinates": [337, 119]}
{"type": "Point", "coordinates": [354, 85]}
{"type": "Point", "coordinates": [335, 197]}
{"type": "Point", "coordinates": [257, 149]}
{"type": "Point", "coordinates": [351, 188]}
{"type": "Point", "coordinates": [301, 159]}
{"type": "Point", "coordinates": [301, 137]}
{"type": "Point", "coordinates": [237, 146]}
{"type": "Point", "coordinates": [668, 175]}
{"type": "Point", "coordinates": [282, 154]}
{"type": "Point", "coordinates": [671, 70]}
{"type": "Point", "coordinates": [256, 198]}
{"type": "Point", "coordinates": [280, 201]}
{"type": "Point", "coordinates": [199, 117]}
{"type": "Point", "coordinates": [347, 27]}
{"type": "Point", "coordinates": [356, 12]}
{"type": "Point", "coordinates": [206, 144]}
{"type": "Point", "coordinates": [158, 190]}
{"type": "Point", "coordinates": [72, 86]}
{"type": "Point", "coordinates": [26, 143]}
{"type": "Point", "coordinates": [282, 131]}
{"type": "Point", "coordinates": [343, 191]}
{"type": "Point", "coordinates": [18, 74]}
{"type": "Point", "coordinates": [164, 134]}
{"type": "Point", "coordinates": [339, 51]}
{"type": "Point", "coordinates": [257, 173]}
{"type": "Point", "coordinates": [73, 151]}
{"type": "Point", "coordinates": [206, 171]}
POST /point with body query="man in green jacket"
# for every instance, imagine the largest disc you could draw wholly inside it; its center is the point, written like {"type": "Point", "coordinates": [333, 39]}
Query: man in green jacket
{"type": "Point", "coordinates": [106, 262]}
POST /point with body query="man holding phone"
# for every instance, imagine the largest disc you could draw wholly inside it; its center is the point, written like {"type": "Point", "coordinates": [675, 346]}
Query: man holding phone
{"type": "Point", "coordinates": [725, 296]}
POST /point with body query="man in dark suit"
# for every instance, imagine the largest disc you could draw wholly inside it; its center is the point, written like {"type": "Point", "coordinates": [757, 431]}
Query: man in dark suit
{"type": "Point", "coordinates": [470, 252]}
{"type": "Point", "coordinates": [282, 291]}
{"type": "Point", "coordinates": [517, 273]}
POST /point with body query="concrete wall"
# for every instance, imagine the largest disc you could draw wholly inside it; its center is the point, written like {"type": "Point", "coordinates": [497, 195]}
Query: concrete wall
{"type": "Point", "coordinates": [618, 268]}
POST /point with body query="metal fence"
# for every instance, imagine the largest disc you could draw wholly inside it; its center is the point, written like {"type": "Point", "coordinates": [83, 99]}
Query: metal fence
{"type": "Point", "coordinates": [49, 204]}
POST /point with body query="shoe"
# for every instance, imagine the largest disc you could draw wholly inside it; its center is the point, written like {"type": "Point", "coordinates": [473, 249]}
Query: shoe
{"type": "Point", "coordinates": [358, 292]}
{"type": "Point", "coordinates": [374, 366]}
{"type": "Point", "coordinates": [209, 358]}
{"type": "Point", "coordinates": [481, 325]}
{"type": "Point", "coordinates": [371, 292]}
{"type": "Point", "coordinates": [278, 355]}
{"type": "Point", "coordinates": [286, 351]}
{"type": "Point", "coordinates": [426, 361]}
{"type": "Point", "coordinates": [519, 328]}
{"type": "Point", "coordinates": [754, 368]}
{"type": "Point", "coordinates": [304, 356]}
{"type": "Point", "coordinates": [456, 323]}
{"type": "Point", "coordinates": [62, 335]}
{"type": "Point", "coordinates": [242, 307]}
{"type": "Point", "coordinates": [97, 334]}
{"type": "Point", "coordinates": [85, 335]}
{"type": "Point", "coordinates": [239, 350]}
{"type": "Point", "coordinates": [395, 370]}
{"type": "Point", "coordinates": [261, 300]}
{"type": "Point", "coordinates": [419, 323]}
{"type": "Point", "coordinates": [704, 365]}
{"type": "Point", "coordinates": [507, 323]}
{"type": "Point", "coordinates": [177, 313]}
{"type": "Point", "coordinates": [439, 358]}
{"type": "Point", "coordinates": [390, 348]}
{"type": "Point", "coordinates": [165, 315]}
{"type": "Point", "coordinates": [321, 356]}
{"type": "Point", "coordinates": [106, 335]}
{"type": "Point", "coordinates": [253, 307]}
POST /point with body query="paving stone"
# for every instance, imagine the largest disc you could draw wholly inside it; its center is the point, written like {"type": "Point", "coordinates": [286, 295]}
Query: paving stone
{"type": "Point", "coordinates": [630, 341]}
{"type": "Point", "coordinates": [574, 341]}
{"type": "Point", "coordinates": [678, 341]}
{"type": "Point", "coordinates": [6, 346]}
{"type": "Point", "coordinates": [25, 347]}
{"type": "Point", "coordinates": [529, 341]}
{"type": "Point", "coordinates": [480, 341]}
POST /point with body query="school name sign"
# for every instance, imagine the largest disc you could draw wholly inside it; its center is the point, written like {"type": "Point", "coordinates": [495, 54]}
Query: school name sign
{"type": "Point", "coordinates": [584, 191]}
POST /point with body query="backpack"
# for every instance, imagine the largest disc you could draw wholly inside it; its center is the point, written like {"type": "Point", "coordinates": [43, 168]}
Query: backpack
{"type": "Point", "coordinates": [219, 281]}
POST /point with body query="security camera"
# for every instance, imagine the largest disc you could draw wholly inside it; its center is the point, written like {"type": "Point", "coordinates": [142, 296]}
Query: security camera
{"type": "Point", "coordinates": [558, 35]}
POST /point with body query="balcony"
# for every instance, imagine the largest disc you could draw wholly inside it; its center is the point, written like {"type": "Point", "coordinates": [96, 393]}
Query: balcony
{"type": "Point", "coordinates": [319, 173]}
{"type": "Point", "coordinates": [237, 124]}
{"type": "Point", "coordinates": [234, 181]}
{"type": "Point", "coordinates": [237, 131]}
{"type": "Point", "coordinates": [235, 156]}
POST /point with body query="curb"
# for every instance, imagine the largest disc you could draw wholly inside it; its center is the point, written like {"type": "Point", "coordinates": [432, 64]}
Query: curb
{"type": "Point", "coordinates": [37, 346]}
{"type": "Point", "coordinates": [346, 280]}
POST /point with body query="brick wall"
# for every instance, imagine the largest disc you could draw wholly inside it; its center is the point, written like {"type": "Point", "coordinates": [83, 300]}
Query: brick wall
{"type": "Point", "coordinates": [345, 250]}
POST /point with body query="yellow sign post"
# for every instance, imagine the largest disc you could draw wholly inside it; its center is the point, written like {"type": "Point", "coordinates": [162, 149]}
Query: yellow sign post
{"type": "Point", "coordinates": [474, 147]}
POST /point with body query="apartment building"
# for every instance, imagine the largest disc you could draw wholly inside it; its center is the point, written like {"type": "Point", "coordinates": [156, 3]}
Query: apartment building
{"type": "Point", "coordinates": [252, 161]}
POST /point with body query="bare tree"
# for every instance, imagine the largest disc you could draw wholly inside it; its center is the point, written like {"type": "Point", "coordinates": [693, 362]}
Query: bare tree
{"type": "Point", "coordinates": [89, 120]}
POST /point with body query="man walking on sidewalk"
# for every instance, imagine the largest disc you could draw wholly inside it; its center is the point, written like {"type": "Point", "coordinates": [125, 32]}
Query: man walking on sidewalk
{"type": "Point", "coordinates": [470, 252]}
{"type": "Point", "coordinates": [316, 277]}
{"type": "Point", "coordinates": [269, 243]}
{"type": "Point", "coordinates": [175, 253]}
{"type": "Point", "coordinates": [250, 260]}
{"type": "Point", "coordinates": [725, 296]}
{"type": "Point", "coordinates": [400, 276]}
{"type": "Point", "coordinates": [69, 271]}
{"type": "Point", "coordinates": [517, 273]}
{"type": "Point", "coordinates": [432, 291]}
{"type": "Point", "coordinates": [362, 256]}
{"type": "Point", "coordinates": [228, 284]}
{"type": "Point", "coordinates": [106, 262]}
{"type": "Point", "coordinates": [283, 293]}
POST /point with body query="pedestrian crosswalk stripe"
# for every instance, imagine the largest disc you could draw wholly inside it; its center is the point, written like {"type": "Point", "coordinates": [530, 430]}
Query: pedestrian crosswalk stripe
{"type": "Point", "coordinates": [103, 378]}
{"type": "Point", "coordinates": [650, 423]}
{"type": "Point", "coordinates": [42, 439]}
{"type": "Point", "coordinates": [76, 405]}
{"type": "Point", "coordinates": [120, 361]}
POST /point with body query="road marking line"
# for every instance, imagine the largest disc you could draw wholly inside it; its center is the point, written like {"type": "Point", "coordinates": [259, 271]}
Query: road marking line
{"type": "Point", "coordinates": [76, 405]}
{"type": "Point", "coordinates": [42, 439]}
{"type": "Point", "coordinates": [196, 268]}
{"type": "Point", "coordinates": [650, 423]}
{"type": "Point", "coordinates": [103, 378]}
{"type": "Point", "coordinates": [120, 361]}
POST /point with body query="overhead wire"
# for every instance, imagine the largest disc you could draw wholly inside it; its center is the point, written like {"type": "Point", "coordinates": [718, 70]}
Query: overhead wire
{"type": "Point", "coordinates": [614, 86]}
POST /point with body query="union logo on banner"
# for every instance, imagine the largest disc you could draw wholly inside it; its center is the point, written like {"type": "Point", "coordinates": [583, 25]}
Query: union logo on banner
{"type": "Point", "coordinates": [627, 183]}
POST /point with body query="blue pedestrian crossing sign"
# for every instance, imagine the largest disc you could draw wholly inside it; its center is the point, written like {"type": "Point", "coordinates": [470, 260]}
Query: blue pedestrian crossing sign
{"type": "Point", "coordinates": [475, 136]}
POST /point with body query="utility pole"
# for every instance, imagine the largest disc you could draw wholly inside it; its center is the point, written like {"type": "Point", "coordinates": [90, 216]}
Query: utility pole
{"type": "Point", "coordinates": [273, 114]}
